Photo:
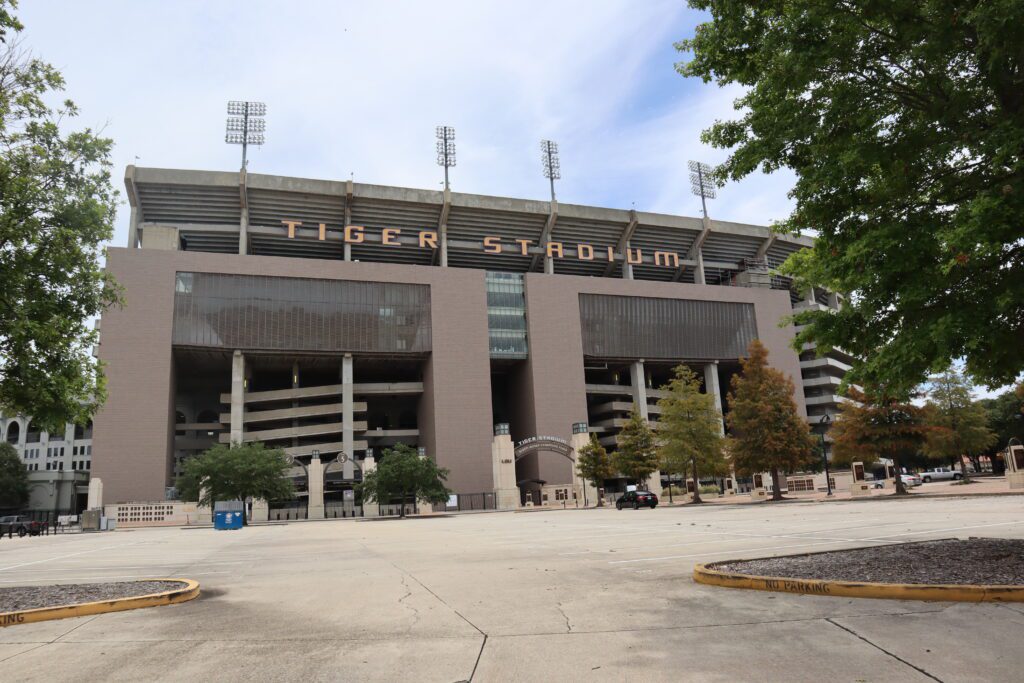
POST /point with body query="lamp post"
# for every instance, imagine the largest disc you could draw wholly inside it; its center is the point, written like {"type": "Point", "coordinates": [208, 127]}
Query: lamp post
{"type": "Point", "coordinates": [825, 421]}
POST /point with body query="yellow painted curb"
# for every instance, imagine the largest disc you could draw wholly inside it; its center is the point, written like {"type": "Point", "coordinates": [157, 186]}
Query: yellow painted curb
{"type": "Point", "coordinates": [860, 589]}
{"type": "Point", "coordinates": [188, 592]}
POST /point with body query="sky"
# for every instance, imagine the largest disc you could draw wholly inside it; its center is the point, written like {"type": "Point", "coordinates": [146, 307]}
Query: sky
{"type": "Point", "coordinates": [356, 89]}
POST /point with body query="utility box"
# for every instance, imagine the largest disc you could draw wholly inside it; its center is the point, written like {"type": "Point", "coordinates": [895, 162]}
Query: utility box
{"type": "Point", "coordinates": [91, 520]}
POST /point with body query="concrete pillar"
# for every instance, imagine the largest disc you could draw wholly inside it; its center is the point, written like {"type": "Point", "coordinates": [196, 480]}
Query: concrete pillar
{"type": "Point", "coordinates": [549, 265]}
{"type": "Point", "coordinates": [315, 509]}
{"type": "Point", "coordinates": [95, 499]}
{"type": "Point", "coordinates": [638, 380]}
{"type": "Point", "coordinates": [834, 302]}
{"type": "Point", "coordinates": [237, 396]}
{"type": "Point", "coordinates": [349, 189]}
{"type": "Point", "coordinates": [506, 492]}
{"type": "Point", "coordinates": [698, 272]}
{"type": "Point", "coordinates": [133, 229]}
{"type": "Point", "coordinates": [260, 510]}
{"type": "Point", "coordinates": [347, 417]}
{"type": "Point", "coordinates": [586, 494]}
{"type": "Point", "coordinates": [442, 236]}
{"type": "Point", "coordinates": [712, 387]}
{"type": "Point", "coordinates": [370, 509]}
{"type": "Point", "coordinates": [295, 404]}
{"type": "Point", "coordinates": [627, 267]}
{"type": "Point", "coordinates": [243, 223]}
{"type": "Point", "coordinates": [809, 296]}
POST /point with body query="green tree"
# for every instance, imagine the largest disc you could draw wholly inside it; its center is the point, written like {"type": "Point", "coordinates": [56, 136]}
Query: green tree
{"type": "Point", "coordinates": [875, 425]}
{"type": "Point", "coordinates": [690, 430]}
{"type": "Point", "coordinates": [636, 457]}
{"type": "Point", "coordinates": [1005, 416]}
{"type": "Point", "coordinates": [235, 473]}
{"type": "Point", "coordinates": [904, 124]}
{"type": "Point", "coordinates": [57, 206]}
{"type": "Point", "coordinates": [768, 432]}
{"type": "Point", "coordinates": [13, 478]}
{"type": "Point", "coordinates": [403, 474]}
{"type": "Point", "coordinates": [594, 465]}
{"type": "Point", "coordinates": [959, 423]}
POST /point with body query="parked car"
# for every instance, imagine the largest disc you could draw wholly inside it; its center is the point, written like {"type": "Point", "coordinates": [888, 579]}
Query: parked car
{"type": "Point", "coordinates": [21, 525]}
{"type": "Point", "coordinates": [941, 474]}
{"type": "Point", "coordinates": [910, 479]}
{"type": "Point", "coordinates": [877, 483]}
{"type": "Point", "coordinates": [637, 499]}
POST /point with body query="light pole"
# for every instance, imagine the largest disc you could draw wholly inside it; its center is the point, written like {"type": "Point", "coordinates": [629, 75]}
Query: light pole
{"type": "Point", "coordinates": [701, 183]}
{"type": "Point", "coordinates": [446, 150]}
{"type": "Point", "coordinates": [246, 125]}
{"type": "Point", "coordinates": [825, 421]}
{"type": "Point", "coordinates": [550, 162]}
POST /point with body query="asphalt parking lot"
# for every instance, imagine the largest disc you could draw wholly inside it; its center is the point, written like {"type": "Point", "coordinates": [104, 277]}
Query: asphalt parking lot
{"type": "Point", "coordinates": [560, 595]}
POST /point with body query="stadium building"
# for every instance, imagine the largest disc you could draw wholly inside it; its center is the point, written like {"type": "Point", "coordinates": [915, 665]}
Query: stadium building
{"type": "Point", "coordinates": [335, 319]}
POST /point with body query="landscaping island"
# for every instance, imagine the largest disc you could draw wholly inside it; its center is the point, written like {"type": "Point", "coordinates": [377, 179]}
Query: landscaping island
{"type": "Point", "coordinates": [976, 570]}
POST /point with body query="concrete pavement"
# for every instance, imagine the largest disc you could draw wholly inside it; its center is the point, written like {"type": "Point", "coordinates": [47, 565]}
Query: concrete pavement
{"type": "Point", "coordinates": [569, 595]}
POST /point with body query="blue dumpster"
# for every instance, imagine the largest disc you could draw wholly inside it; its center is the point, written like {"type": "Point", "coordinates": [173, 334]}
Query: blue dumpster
{"type": "Point", "coordinates": [227, 519]}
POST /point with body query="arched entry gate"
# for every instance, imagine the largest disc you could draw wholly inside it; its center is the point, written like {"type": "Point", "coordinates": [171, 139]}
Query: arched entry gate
{"type": "Point", "coordinates": [532, 488]}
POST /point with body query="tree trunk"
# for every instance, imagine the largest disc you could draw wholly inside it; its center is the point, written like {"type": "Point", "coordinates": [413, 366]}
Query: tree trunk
{"type": "Point", "coordinates": [776, 484]}
{"type": "Point", "coordinates": [963, 470]}
{"type": "Point", "coordinates": [696, 484]}
{"type": "Point", "coordinates": [901, 488]}
{"type": "Point", "coordinates": [401, 507]}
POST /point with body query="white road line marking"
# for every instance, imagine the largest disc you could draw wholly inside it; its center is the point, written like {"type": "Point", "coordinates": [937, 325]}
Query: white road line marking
{"type": "Point", "coordinates": [61, 557]}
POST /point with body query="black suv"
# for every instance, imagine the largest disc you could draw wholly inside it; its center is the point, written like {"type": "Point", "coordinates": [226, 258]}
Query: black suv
{"type": "Point", "coordinates": [636, 500]}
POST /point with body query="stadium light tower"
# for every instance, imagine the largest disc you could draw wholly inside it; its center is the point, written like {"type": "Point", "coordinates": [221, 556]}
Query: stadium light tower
{"type": "Point", "coordinates": [246, 125]}
{"type": "Point", "coordinates": [446, 150]}
{"type": "Point", "coordinates": [549, 160]}
{"type": "Point", "coordinates": [701, 183]}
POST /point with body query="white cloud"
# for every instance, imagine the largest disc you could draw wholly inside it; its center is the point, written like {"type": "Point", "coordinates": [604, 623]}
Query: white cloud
{"type": "Point", "coordinates": [358, 88]}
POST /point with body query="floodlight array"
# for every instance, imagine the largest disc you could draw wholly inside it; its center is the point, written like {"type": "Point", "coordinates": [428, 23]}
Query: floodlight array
{"type": "Point", "coordinates": [549, 160]}
{"type": "Point", "coordinates": [701, 182]}
{"type": "Point", "coordinates": [445, 146]}
{"type": "Point", "coordinates": [240, 108]}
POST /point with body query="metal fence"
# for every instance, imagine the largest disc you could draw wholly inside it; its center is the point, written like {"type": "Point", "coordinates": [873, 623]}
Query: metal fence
{"type": "Point", "coordinates": [469, 501]}
{"type": "Point", "coordinates": [288, 510]}
{"type": "Point", "coordinates": [346, 509]}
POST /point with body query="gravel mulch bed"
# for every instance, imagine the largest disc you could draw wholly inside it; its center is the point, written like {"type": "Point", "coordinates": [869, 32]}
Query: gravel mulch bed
{"type": "Point", "coordinates": [18, 598]}
{"type": "Point", "coordinates": [991, 561]}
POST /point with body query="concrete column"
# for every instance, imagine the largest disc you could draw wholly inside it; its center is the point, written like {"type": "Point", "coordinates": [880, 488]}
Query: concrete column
{"type": "Point", "coordinates": [133, 229]}
{"type": "Point", "coordinates": [95, 494]}
{"type": "Point", "coordinates": [23, 433]}
{"type": "Point", "coordinates": [349, 189]}
{"type": "Point", "coordinates": [506, 492]}
{"type": "Point", "coordinates": [627, 267]}
{"type": "Point", "coordinates": [237, 396]}
{"type": "Point", "coordinates": [260, 510]}
{"type": "Point", "coordinates": [243, 223]}
{"type": "Point", "coordinates": [834, 301]}
{"type": "Point", "coordinates": [370, 509]}
{"type": "Point", "coordinates": [315, 509]}
{"type": "Point", "coordinates": [585, 492]}
{"type": "Point", "coordinates": [711, 385]}
{"type": "Point", "coordinates": [698, 272]}
{"type": "Point", "coordinates": [809, 296]}
{"type": "Point", "coordinates": [638, 379]}
{"type": "Point", "coordinates": [347, 417]}
{"type": "Point", "coordinates": [442, 236]}
{"type": "Point", "coordinates": [549, 265]}
{"type": "Point", "coordinates": [295, 404]}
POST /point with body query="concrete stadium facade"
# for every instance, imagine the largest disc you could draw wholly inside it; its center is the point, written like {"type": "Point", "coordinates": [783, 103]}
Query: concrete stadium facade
{"type": "Point", "coordinates": [341, 318]}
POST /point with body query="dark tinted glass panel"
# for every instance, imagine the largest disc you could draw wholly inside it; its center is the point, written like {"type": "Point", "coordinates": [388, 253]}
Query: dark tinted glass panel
{"type": "Point", "coordinates": [675, 329]}
{"type": "Point", "coordinates": [300, 314]}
